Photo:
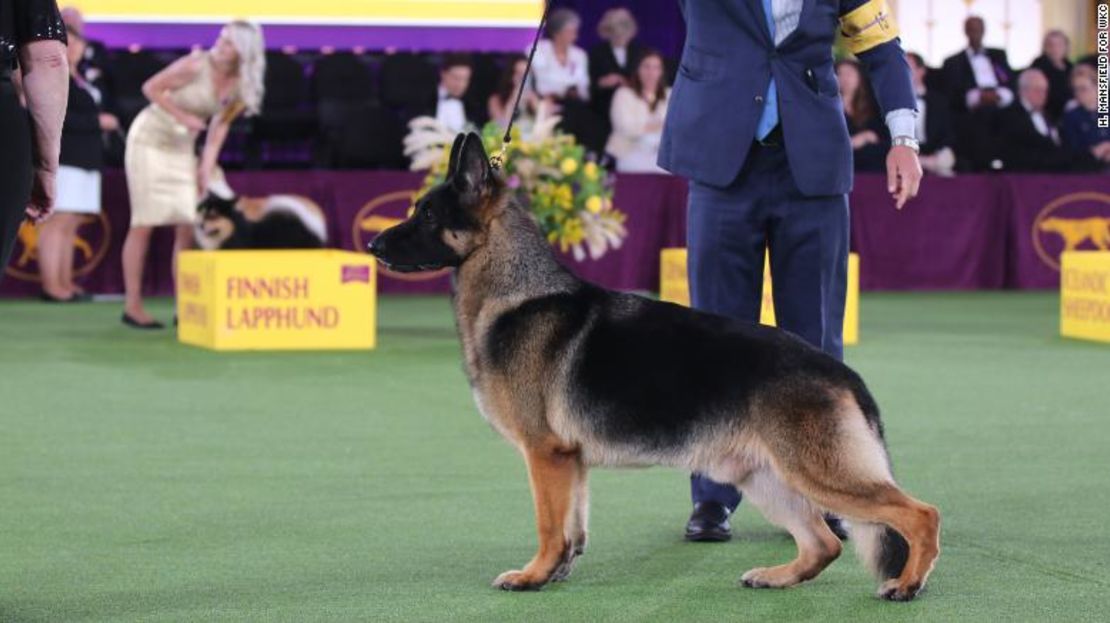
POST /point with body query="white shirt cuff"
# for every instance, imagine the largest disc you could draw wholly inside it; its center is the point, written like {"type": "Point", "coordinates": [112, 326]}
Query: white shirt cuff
{"type": "Point", "coordinates": [1005, 97]}
{"type": "Point", "coordinates": [902, 122]}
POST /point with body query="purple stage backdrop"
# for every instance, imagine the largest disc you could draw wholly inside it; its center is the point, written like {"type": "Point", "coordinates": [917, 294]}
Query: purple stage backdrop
{"type": "Point", "coordinates": [661, 27]}
{"type": "Point", "coordinates": [964, 233]}
{"type": "Point", "coordinates": [400, 38]}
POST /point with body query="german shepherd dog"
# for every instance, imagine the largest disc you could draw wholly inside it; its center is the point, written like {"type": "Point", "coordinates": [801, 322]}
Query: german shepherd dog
{"type": "Point", "coordinates": [575, 377]}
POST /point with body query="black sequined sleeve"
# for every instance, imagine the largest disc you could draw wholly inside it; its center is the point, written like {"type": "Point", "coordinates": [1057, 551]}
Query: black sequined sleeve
{"type": "Point", "coordinates": [36, 20]}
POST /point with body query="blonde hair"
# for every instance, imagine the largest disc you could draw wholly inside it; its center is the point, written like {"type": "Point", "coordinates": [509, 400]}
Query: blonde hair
{"type": "Point", "coordinates": [251, 47]}
{"type": "Point", "coordinates": [616, 21]}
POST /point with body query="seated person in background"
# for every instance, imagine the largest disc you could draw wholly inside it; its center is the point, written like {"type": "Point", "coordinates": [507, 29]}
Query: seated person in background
{"type": "Point", "coordinates": [1056, 67]}
{"type": "Point", "coordinates": [870, 137]}
{"type": "Point", "coordinates": [978, 77]}
{"type": "Point", "coordinates": [454, 80]}
{"type": "Point", "coordinates": [639, 110]}
{"type": "Point", "coordinates": [1029, 140]}
{"type": "Point", "coordinates": [501, 103]}
{"type": "Point", "coordinates": [615, 59]}
{"type": "Point", "coordinates": [978, 82]}
{"type": "Point", "coordinates": [561, 76]}
{"type": "Point", "coordinates": [1079, 130]}
{"type": "Point", "coordinates": [934, 122]}
{"type": "Point", "coordinates": [561, 69]}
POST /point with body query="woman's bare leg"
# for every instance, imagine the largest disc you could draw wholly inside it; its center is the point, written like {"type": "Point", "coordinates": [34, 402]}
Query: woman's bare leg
{"type": "Point", "coordinates": [51, 241]}
{"type": "Point", "coordinates": [135, 247]}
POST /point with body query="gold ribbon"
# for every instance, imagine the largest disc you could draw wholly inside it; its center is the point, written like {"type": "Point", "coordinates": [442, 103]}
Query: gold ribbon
{"type": "Point", "coordinates": [867, 26]}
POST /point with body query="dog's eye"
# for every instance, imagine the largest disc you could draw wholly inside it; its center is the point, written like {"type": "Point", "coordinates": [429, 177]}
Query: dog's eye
{"type": "Point", "coordinates": [428, 217]}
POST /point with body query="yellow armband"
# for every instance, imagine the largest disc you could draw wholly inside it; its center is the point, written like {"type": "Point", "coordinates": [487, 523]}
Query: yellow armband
{"type": "Point", "coordinates": [868, 26]}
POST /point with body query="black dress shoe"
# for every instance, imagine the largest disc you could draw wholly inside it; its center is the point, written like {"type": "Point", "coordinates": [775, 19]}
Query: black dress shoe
{"type": "Point", "coordinates": [708, 523]}
{"type": "Point", "coordinates": [836, 524]}
{"type": "Point", "coordinates": [135, 324]}
{"type": "Point", "coordinates": [50, 298]}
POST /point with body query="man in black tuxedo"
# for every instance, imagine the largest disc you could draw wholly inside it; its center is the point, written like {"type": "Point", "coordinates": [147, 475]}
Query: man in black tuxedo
{"type": "Point", "coordinates": [449, 103]}
{"type": "Point", "coordinates": [978, 77]}
{"type": "Point", "coordinates": [934, 121]}
{"type": "Point", "coordinates": [1030, 142]}
{"type": "Point", "coordinates": [979, 83]}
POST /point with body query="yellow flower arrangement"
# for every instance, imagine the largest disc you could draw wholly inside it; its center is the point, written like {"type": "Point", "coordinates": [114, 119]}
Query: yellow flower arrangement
{"type": "Point", "coordinates": [570, 196]}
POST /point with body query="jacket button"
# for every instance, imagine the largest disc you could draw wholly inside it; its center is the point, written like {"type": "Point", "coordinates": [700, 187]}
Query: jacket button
{"type": "Point", "coordinates": [758, 99]}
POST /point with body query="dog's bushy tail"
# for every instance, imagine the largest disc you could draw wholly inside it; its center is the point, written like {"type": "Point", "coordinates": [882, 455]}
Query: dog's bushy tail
{"type": "Point", "coordinates": [880, 548]}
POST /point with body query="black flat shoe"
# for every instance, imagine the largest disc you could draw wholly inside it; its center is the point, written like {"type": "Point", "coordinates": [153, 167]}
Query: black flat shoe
{"type": "Point", "coordinates": [708, 523]}
{"type": "Point", "coordinates": [135, 324]}
{"type": "Point", "coordinates": [49, 298]}
{"type": "Point", "coordinates": [837, 526]}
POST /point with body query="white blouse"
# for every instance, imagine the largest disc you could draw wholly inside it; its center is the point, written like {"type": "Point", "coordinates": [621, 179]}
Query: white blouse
{"type": "Point", "coordinates": [554, 78]}
{"type": "Point", "coordinates": [635, 148]}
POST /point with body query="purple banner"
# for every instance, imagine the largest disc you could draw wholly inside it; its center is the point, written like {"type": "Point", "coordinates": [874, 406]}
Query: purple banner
{"type": "Point", "coordinates": [964, 233]}
{"type": "Point", "coordinates": [942, 240]}
{"type": "Point", "coordinates": [399, 38]}
{"type": "Point", "coordinates": [1049, 216]}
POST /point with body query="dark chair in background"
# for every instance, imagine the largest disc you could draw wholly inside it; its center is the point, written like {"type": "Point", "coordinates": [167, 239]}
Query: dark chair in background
{"type": "Point", "coordinates": [407, 80]}
{"type": "Point", "coordinates": [128, 71]}
{"type": "Point", "coordinates": [282, 135]}
{"type": "Point", "coordinates": [355, 130]}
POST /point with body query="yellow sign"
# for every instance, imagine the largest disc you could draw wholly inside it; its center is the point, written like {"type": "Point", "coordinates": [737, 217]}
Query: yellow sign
{"type": "Point", "coordinates": [675, 288]}
{"type": "Point", "coordinates": [277, 300]}
{"type": "Point", "coordinates": [516, 13]}
{"type": "Point", "coordinates": [1085, 295]}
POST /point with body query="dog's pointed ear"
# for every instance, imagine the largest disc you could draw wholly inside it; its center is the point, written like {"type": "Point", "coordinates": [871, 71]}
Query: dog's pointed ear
{"type": "Point", "coordinates": [472, 169]}
{"type": "Point", "coordinates": [453, 162]}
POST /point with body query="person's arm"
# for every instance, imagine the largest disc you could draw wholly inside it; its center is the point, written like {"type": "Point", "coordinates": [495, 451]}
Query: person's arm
{"type": "Point", "coordinates": [872, 35]}
{"type": "Point", "coordinates": [45, 84]}
{"type": "Point", "coordinates": [582, 76]}
{"type": "Point", "coordinates": [180, 73]}
{"type": "Point", "coordinates": [214, 142]}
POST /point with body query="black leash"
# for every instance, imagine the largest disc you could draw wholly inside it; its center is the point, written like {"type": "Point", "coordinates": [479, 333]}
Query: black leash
{"type": "Point", "coordinates": [499, 158]}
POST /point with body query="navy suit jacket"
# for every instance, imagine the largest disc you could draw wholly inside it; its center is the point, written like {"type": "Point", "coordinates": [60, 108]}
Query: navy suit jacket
{"type": "Point", "coordinates": [727, 63]}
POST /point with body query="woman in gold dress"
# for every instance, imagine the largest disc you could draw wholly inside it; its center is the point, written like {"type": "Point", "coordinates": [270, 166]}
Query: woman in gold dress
{"type": "Point", "coordinates": [206, 90]}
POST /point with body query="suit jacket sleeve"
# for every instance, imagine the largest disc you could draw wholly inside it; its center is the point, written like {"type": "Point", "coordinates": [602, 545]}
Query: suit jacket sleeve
{"type": "Point", "coordinates": [871, 34]}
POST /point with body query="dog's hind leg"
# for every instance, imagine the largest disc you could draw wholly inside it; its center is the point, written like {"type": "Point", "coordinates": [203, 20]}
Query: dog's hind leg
{"type": "Point", "coordinates": [847, 472]}
{"type": "Point", "coordinates": [553, 471]}
{"type": "Point", "coordinates": [782, 505]}
{"type": "Point", "coordinates": [576, 528]}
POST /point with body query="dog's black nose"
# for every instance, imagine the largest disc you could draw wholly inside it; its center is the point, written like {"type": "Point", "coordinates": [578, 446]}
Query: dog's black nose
{"type": "Point", "coordinates": [377, 247]}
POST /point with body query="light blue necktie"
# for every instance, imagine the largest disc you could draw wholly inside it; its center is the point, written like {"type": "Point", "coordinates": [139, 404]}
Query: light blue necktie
{"type": "Point", "coordinates": [770, 117]}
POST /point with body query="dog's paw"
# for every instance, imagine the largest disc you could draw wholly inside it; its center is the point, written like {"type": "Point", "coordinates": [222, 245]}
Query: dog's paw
{"type": "Point", "coordinates": [768, 577]}
{"type": "Point", "coordinates": [893, 590]}
{"type": "Point", "coordinates": [519, 581]}
{"type": "Point", "coordinates": [566, 565]}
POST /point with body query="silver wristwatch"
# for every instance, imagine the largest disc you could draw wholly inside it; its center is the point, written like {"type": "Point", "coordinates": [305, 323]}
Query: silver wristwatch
{"type": "Point", "coordinates": [907, 141]}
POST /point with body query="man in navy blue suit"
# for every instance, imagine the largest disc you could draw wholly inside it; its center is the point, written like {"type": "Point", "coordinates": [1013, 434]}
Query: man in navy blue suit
{"type": "Point", "coordinates": [755, 122]}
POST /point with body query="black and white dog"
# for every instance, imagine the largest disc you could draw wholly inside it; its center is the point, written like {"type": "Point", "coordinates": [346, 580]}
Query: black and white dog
{"type": "Point", "coordinates": [274, 222]}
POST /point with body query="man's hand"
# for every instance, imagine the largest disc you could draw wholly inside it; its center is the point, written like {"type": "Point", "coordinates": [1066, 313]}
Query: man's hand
{"type": "Point", "coordinates": [42, 195]}
{"type": "Point", "coordinates": [903, 173]}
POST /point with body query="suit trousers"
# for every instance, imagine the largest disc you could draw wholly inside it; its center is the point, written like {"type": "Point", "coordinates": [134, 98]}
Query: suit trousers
{"type": "Point", "coordinates": [729, 231]}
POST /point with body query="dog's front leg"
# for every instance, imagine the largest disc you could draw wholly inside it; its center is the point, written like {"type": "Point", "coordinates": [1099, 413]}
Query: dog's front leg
{"type": "Point", "coordinates": [553, 472]}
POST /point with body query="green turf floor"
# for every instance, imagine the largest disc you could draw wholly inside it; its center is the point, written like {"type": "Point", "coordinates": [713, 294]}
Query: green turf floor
{"type": "Point", "coordinates": [141, 480]}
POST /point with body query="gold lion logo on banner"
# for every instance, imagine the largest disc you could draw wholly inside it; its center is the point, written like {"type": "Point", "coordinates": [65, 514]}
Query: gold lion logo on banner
{"type": "Point", "coordinates": [380, 214]}
{"type": "Point", "coordinates": [94, 236]}
{"type": "Point", "coordinates": [1073, 222]}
